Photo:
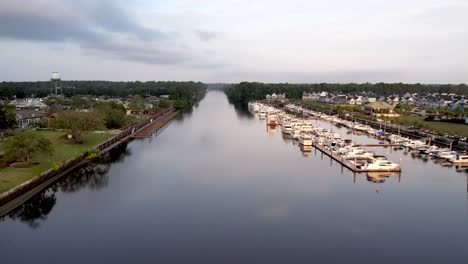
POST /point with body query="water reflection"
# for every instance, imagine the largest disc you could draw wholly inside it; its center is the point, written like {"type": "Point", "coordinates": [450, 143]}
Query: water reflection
{"type": "Point", "coordinates": [242, 111]}
{"type": "Point", "coordinates": [36, 209]}
{"type": "Point", "coordinates": [93, 176]}
{"type": "Point", "coordinates": [381, 177]}
{"type": "Point", "coordinates": [272, 129]}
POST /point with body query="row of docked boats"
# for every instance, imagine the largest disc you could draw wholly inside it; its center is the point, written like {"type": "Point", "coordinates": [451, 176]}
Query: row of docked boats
{"type": "Point", "coordinates": [307, 135]}
{"type": "Point", "coordinates": [303, 130]}
{"type": "Point", "coordinates": [414, 145]}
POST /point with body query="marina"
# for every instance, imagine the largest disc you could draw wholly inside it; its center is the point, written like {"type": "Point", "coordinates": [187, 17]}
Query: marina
{"type": "Point", "coordinates": [297, 123]}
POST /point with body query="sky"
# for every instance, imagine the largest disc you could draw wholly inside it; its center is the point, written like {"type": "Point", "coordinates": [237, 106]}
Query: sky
{"type": "Point", "coordinates": [295, 41]}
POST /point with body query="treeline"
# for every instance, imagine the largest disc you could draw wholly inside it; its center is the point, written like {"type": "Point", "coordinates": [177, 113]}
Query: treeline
{"type": "Point", "coordinates": [101, 88]}
{"type": "Point", "coordinates": [247, 91]}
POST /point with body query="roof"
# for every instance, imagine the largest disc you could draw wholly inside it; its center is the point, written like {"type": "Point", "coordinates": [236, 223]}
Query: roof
{"type": "Point", "coordinates": [377, 105]}
{"type": "Point", "coordinates": [26, 114]}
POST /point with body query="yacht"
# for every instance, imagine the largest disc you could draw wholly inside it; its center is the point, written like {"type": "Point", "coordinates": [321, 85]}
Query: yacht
{"type": "Point", "coordinates": [446, 155]}
{"type": "Point", "coordinates": [381, 165]}
{"type": "Point", "coordinates": [287, 129]}
{"type": "Point", "coordinates": [272, 119]}
{"type": "Point", "coordinates": [460, 160]}
{"type": "Point", "coordinates": [305, 139]}
{"type": "Point", "coordinates": [357, 153]}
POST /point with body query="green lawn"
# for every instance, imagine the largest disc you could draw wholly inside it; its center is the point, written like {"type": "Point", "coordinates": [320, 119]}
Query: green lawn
{"type": "Point", "coordinates": [440, 127]}
{"type": "Point", "coordinates": [63, 150]}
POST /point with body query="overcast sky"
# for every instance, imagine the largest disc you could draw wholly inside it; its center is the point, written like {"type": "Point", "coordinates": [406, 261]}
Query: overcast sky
{"type": "Point", "coordinates": [236, 40]}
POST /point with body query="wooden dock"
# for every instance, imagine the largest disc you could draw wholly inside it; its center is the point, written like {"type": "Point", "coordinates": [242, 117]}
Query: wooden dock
{"type": "Point", "coordinates": [154, 125]}
{"type": "Point", "coordinates": [346, 163]}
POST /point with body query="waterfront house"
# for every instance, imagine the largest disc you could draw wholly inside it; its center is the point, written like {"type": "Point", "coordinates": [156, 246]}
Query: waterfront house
{"type": "Point", "coordinates": [27, 117]}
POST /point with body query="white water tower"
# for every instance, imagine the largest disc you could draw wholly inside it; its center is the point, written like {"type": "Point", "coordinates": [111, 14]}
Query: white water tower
{"type": "Point", "coordinates": [56, 83]}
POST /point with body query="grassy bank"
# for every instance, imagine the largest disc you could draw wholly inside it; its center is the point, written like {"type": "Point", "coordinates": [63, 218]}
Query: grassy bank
{"type": "Point", "coordinates": [439, 127]}
{"type": "Point", "coordinates": [63, 150]}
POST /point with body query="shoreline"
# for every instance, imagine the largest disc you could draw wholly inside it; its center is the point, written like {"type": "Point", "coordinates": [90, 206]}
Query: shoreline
{"type": "Point", "coordinates": [11, 199]}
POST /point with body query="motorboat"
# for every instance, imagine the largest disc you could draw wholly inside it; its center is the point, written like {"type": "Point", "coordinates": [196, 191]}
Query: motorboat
{"type": "Point", "coordinates": [287, 129]}
{"type": "Point", "coordinates": [262, 114]}
{"type": "Point", "coordinates": [381, 165]}
{"type": "Point", "coordinates": [447, 155]}
{"type": "Point", "coordinates": [305, 139]}
{"type": "Point", "coordinates": [461, 160]}
{"type": "Point", "coordinates": [272, 119]}
{"type": "Point", "coordinates": [357, 153]}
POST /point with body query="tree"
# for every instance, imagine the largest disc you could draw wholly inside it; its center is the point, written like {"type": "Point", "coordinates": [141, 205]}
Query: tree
{"type": "Point", "coordinates": [78, 124]}
{"type": "Point", "coordinates": [23, 145]}
{"type": "Point", "coordinates": [164, 104]}
{"type": "Point", "coordinates": [137, 103]}
{"type": "Point", "coordinates": [7, 117]}
{"type": "Point", "coordinates": [112, 113]}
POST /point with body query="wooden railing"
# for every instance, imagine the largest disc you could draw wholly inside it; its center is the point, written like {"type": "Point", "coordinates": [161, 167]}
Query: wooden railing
{"type": "Point", "coordinates": [132, 129]}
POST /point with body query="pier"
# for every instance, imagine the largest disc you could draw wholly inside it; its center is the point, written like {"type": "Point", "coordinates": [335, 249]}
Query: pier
{"type": "Point", "coordinates": [346, 163]}
{"type": "Point", "coordinates": [154, 125]}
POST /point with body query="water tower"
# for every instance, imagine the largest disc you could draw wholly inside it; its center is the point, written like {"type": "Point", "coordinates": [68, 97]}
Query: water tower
{"type": "Point", "coordinates": [56, 82]}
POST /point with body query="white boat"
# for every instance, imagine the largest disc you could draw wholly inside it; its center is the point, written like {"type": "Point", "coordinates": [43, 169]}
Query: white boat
{"type": "Point", "coordinates": [360, 127]}
{"type": "Point", "coordinates": [446, 155]}
{"type": "Point", "coordinates": [305, 139]}
{"type": "Point", "coordinates": [460, 160]}
{"type": "Point", "coordinates": [287, 129]}
{"type": "Point", "coordinates": [381, 165]}
{"type": "Point", "coordinates": [262, 114]}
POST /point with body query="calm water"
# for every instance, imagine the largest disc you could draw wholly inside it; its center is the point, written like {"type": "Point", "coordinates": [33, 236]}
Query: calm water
{"type": "Point", "coordinates": [215, 186]}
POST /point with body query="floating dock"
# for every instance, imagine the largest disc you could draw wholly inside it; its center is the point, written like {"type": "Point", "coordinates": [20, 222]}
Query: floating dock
{"type": "Point", "coordinates": [347, 163]}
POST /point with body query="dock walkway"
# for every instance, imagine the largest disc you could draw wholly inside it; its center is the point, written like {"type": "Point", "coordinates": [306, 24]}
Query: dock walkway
{"type": "Point", "coordinates": [346, 163]}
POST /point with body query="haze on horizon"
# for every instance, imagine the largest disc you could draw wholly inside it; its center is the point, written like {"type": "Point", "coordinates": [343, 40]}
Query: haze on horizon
{"type": "Point", "coordinates": [236, 40]}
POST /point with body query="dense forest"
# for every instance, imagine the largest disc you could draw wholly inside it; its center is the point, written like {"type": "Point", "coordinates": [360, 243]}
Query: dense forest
{"type": "Point", "coordinates": [100, 88]}
{"type": "Point", "coordinates": [247, 91]}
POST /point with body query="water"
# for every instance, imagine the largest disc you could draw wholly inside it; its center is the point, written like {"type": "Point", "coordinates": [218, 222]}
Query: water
{"type": "Point", "coordinates": [216, 187]}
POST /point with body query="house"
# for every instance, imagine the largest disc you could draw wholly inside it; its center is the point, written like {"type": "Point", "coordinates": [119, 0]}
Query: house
{"type": "Point", "coordinates": [24, 117]}
{"type": "Point", "coordinates": [352, 101]}
{"type": "Point", "coordinates": [32, 104]}
{"type": "Point", "coordinates": [359, 100]}
{"type": "Point", "coordinates": [341, 99]}
{"type": "Point", "coordinates": [309, 96]}
{"type": "Point", "coordinates": [371, 99]}
{"type": "Point", "coordinates": [274, 96]}
{"type": "Point", "coordinates": [268, 97]}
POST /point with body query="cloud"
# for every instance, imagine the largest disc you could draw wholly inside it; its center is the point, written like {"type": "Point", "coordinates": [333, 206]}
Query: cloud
{"type": "Point", "coordinates": [205, 35]}
{"type": "Point", "coordinates": [135, 51]}
{"type": "Point", "coordinates": [100, 28]}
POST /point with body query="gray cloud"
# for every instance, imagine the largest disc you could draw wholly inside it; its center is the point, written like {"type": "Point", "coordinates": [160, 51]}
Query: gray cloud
{"type": "Point", "coordinates": [205, 35]}
{"type": "Point", "coordinates": [100, 28]}
{"type": "Point", "coordinates": [133, 51]}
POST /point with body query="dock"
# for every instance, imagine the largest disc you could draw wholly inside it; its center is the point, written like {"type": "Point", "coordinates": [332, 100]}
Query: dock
{"type": "Point", "coordinates": [346, 163]}
{"type": "Point", "coordinates": [154, 125]}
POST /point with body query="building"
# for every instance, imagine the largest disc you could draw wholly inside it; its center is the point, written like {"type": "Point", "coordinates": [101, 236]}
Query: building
{"type": "Point", "coordinates": [25, 118]}
{"type": "Point", "coordinates": [381, 108]}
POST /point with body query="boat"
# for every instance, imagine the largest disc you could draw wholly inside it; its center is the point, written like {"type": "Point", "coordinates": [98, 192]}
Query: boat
{"type": "Point", "coordinates": [272, 120]}
{"type": "Point", "coordinates": [262, 114]}
{"type": "Point", "coordinates": [446, 155]}
{"type": "Point", "coordinates": [305, 139]}
{"type": "Point", "coordinates": [357, 153]}
{"type": "Point", "coordinates": [461, 160]}
{"type": "Point", "coordinates": [287, 129]}
{"type": "Point", "coordinates": [381, 165]}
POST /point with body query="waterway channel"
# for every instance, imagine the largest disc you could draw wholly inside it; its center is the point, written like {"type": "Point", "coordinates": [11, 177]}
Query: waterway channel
{"type": "Point", "coordinates": [217, 186]}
